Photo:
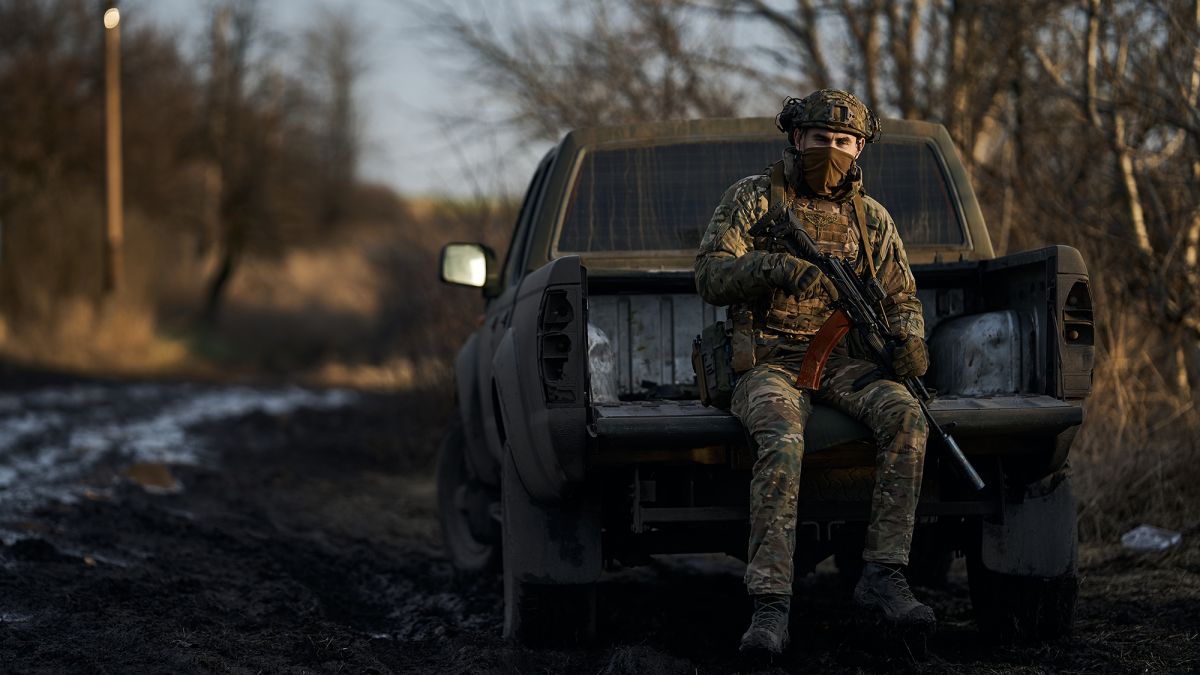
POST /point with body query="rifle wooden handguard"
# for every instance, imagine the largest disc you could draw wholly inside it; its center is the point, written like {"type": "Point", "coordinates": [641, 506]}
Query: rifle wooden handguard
{"type": "Point", "coordinates": [822, 344]}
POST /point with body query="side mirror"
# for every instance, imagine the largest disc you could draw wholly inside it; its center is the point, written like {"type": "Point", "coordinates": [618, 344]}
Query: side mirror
{"type": "Point", "coordinates": [471, 265]}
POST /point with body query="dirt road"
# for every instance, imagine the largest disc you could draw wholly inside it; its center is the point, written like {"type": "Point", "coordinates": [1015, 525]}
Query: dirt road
{"type": "Point", "coordinates": [198, 528]}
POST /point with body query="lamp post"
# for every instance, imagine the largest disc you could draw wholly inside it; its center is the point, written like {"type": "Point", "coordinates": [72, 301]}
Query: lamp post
{"type": "Point", "coordinates": [115, 229]}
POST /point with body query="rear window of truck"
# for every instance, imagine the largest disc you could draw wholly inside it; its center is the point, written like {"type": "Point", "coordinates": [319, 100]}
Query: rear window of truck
{"type": "Point", "coordinates": [660, 198]}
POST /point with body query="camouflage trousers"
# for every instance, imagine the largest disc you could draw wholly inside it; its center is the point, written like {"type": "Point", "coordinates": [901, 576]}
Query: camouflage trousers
{"type": "Point", "coordinates": [775, 411]}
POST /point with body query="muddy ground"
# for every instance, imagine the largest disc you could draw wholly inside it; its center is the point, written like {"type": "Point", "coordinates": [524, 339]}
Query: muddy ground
{"type": "Point", "coordinates": [200, 528]}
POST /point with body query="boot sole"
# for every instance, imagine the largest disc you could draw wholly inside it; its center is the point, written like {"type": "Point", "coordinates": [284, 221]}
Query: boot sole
{"type": "Point", "coordinates": [760, 652]}
{"type": "Point", "coordinates": [875, 618]}
{"type": "Point", "coordinates": [912, 638]}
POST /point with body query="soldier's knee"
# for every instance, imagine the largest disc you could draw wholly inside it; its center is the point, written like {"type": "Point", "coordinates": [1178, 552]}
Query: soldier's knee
{"type": "Point", "coordinates": [913, 418]}
{"type": "Point", "coordinates": [783, 450]}
{"type": "Point", "coordinates": [903, 418]}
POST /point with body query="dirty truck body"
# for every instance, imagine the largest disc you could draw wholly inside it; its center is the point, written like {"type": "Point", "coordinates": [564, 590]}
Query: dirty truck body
{"type": "Point", "coordinates": [579, 439]}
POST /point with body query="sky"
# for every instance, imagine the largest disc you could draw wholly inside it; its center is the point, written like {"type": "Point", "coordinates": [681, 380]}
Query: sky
{"type": "Point", "coordinates": [409, 85]}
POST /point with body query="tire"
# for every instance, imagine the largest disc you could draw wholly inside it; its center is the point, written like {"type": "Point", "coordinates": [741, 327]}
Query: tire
{"type": "Point", "coordinates": [929, 559]}
{"type": "Point", "coordinates": [461, 501]}
{"type": "Point", "coordinates": [549, 615]}
{"type": "Point", "coordinates": [928, 562]}
{"type": "Point", "coordinates": [848, 552]}
{"type": "Point", "coordinates": [1012, 608]}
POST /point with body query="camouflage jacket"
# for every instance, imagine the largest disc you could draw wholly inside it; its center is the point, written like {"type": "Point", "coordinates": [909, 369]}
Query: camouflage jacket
{"type": "Point", "coordinates": [730, 271]}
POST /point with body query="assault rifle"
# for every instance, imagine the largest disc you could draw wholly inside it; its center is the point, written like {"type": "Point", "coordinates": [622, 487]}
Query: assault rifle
{"type": "Point", "coordinates": [856, 308]}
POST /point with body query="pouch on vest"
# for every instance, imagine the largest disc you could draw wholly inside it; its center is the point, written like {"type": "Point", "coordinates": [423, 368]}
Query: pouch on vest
{"type": "Point", "coordinates": [741, 338]}
{"type": "Point", "coordinates": [712, 359]}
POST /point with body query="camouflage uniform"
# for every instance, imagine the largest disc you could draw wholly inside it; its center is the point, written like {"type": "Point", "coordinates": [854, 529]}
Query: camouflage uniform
{"type": "Point", "coordinates": [731, 269]}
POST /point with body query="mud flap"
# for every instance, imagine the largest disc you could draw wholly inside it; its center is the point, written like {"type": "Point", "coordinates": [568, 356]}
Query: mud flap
{"type": "Point", "coordinates": [1036, 536]}
{"type": "Point", "coordinates": [552, 559]}
{"type": "Point", "coordinates": [1023, 574]}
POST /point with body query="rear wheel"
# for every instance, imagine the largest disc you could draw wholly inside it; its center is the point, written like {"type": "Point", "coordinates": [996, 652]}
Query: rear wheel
{"type": "Point", "coordinates": [929, 559]}
{"type": "Point", "coordinates": [464, 509]}
{"type": "Point", "coordinates": [1016, 608]}
{"type": "Point", "coordinates": [848, 551]}
{"type": "Point", "coordinates": [1022, 567]}
{"type": "Point", "coordinates": [549, 614]}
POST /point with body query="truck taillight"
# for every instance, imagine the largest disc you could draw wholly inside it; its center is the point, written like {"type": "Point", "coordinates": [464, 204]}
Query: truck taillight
{"type": "Point", "coordinates": [559, 358]}
{"type": "Point", "coordinates": [1076, 350]}
{"type": "Point", "coordinates": [1077, 316]}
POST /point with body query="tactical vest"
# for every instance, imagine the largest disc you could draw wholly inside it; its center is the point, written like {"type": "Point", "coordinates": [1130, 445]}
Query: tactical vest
{"type": "Point", "coordinates": [836, 229]}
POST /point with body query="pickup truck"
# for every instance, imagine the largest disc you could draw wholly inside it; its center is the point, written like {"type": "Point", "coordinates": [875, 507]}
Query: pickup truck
{"type": "Point", "coordinates": [579, 440]}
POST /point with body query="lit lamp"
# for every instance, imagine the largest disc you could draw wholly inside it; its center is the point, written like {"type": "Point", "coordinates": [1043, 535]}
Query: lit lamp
{"type": "Point", "coordinates": [115, 227]}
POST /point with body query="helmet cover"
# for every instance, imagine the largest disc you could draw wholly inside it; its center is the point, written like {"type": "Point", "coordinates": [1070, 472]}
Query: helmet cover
{"type": "Point", "coordinates": [831, 109]}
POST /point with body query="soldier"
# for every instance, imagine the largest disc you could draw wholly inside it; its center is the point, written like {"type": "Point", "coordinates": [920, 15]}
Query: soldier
{"type": "Point", "coordinates": [819, 185]}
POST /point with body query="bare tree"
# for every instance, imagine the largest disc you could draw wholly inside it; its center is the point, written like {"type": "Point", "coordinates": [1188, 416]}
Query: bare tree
{"type": "Point", "coordinates": [946, 60]}
{"type": "Point", "coordinates": [609, 63]}
{"type": "Point", "coordinates": [51, 86]}
{"type": "Point", "coordinates": [243, 121]}
{"type": "Point", "coordinates": [334, 64]}
{"type": "Point", "coordinates": [1134, 82]}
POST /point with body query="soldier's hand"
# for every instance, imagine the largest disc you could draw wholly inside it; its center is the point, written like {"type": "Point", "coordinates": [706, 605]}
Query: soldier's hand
{"type": "Point", "coordinates": [910, 358]}
{"type": "Point", "coordinates": [799, 277]}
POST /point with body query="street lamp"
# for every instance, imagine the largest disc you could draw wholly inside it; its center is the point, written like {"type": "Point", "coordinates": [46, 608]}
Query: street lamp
{"type": "Point", "coordinates": [114, 233]}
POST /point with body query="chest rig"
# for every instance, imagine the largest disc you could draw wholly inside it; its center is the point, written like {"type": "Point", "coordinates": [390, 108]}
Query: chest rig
{"type": "Point", "coordinates": [837, 228]}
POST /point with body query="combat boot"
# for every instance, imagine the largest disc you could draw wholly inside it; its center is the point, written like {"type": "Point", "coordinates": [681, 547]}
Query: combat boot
{"type": "Point", "coordinates": [884, 591]}
{"type": "Point", "coordinates": [768, 631]}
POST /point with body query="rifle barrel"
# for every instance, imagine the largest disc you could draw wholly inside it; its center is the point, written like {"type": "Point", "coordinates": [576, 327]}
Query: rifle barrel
{"type": "Point", "coordinates": [968, 471]}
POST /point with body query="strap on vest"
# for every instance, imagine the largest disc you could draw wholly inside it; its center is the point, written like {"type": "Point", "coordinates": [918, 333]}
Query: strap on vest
{"type": "Point", "coordinates": [778, 200]}
{"type": "Point", "coordinates": [860, 214]}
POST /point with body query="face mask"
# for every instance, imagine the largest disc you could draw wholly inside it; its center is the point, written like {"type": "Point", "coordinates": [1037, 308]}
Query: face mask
{"type": "Point", "coordinates": [825, 168]}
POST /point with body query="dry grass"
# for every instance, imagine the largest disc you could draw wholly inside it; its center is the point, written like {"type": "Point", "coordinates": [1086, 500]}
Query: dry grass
{"type": "Point", "coordinates": [361, 306]}
{"type": "Point", "coordinates": [55, 312]}
{"type": "Point", "coordinates": [1137, 459]}
{"type": "Point", "coordinates": [106, 337]}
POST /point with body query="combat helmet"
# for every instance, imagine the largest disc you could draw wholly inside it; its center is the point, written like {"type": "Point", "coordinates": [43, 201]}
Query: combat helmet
{"type": "Point", "coordinates": [829, 108]}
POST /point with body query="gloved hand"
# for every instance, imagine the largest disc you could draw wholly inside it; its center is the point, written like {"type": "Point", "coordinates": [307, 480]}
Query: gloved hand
{"type": "Point", "coordinates": [910, 358]}
{"type": "Point", "coordinates": [798, 277]}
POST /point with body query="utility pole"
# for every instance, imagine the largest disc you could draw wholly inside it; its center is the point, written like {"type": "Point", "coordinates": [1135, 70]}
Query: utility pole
{"type": "Point", "coordinates": [114, 233]}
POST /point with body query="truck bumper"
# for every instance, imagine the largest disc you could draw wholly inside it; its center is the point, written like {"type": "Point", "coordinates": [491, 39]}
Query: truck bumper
{"type": "Point", "coordinates": [688, 424]}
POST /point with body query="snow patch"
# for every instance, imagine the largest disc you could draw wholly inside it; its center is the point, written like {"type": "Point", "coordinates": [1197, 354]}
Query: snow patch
{"type": "Point", "coordinates": [51, 438]}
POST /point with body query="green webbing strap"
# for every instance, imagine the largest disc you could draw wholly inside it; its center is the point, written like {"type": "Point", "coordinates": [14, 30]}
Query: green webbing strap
{"type": "Point", "coordinates": [860, 214]}
{"type": "Point", "coordinates": [778, 200]}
